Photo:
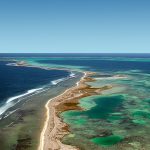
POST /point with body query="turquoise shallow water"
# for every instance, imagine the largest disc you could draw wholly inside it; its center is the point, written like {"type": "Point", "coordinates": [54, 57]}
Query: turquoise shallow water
{"type": "Point", "coordinates": [104, 106]}
{"type": "Point", "coordinates": [107, 141]}
{"type": "Point", "coordinates": [111, 118]}
{"type": "Point", "coordinates": [104, 109]}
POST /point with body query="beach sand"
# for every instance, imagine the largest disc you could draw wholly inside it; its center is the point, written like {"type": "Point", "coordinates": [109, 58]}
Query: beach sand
{"type": "Point", "coordinates": [54, 128]}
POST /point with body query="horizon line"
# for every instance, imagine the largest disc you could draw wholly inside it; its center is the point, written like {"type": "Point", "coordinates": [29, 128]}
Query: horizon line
{"type": "Point", "coordinates": [74, 53]}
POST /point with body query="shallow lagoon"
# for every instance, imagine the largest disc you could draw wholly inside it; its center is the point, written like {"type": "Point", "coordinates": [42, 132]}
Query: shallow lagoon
{"type": "Point", "coordinates": [95, 118]}
{"type": "Point", "coordinates": [120, 116]}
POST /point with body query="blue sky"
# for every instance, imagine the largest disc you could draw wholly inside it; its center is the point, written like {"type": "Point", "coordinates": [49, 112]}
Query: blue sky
{"type": "Point", "coordinates": [75, 26]}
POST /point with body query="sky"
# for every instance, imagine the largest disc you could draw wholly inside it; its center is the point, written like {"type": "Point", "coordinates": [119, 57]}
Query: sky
{"type": "Point", "coordinates": [86, 26]}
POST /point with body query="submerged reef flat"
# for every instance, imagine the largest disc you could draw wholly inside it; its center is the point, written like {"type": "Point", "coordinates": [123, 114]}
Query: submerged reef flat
{"type": "Point", "coordinates": [114, 119]}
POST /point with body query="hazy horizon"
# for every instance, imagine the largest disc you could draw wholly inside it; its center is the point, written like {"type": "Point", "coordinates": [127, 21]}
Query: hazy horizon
{"type": "Point", "coordinates": [73, 53]}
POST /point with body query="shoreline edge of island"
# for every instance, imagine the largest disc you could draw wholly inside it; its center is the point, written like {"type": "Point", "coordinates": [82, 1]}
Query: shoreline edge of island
{"type": "Point", "coordinates": [42, 136]}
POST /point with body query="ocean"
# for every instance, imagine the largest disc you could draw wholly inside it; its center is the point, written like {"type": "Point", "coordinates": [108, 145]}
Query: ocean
{"type": "Point", "coordinates": [18, 82]}
{"type": "Point", "coordinates": [117, 118]}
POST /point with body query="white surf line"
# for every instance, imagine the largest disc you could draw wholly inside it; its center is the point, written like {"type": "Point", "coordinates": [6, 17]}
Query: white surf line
{"type": "Point", "coordinates": [85, 74]}
{"type": "Point", "coordinates": [10, 101]}
{"type": "Point", "coordinates": [42, 136]}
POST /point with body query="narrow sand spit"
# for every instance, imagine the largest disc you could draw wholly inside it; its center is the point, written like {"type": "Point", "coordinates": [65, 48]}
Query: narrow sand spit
{"type": "Point", "coordinates": [54, 128]}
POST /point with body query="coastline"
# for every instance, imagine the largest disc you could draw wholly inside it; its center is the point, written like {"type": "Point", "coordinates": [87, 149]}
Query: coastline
{"type": "Point", "coordinates": [54, 128]}
{"type": "Point", "coordinates": [29, 92]}
{"type": "Point", "coordinates": [117, 118]}
{"type": "Point", "coordinates": [42, 136]}
{"type": "Point", "coordinates": [28, 115]}
{"type": "Point", "coordinates": [35, 90]}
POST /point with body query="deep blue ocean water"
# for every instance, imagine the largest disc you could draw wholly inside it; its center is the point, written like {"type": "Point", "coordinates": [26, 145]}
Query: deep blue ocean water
{"type": "Point", "coordinates": [127, 55]}
{"type": "Point", "coordinates": [15, 81]}
{"type": "Point", "coordinates": [107, 63]}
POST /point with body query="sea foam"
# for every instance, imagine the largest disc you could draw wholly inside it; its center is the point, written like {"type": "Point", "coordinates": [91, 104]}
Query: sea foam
{"type": "Point", "coordinates": [72, 74]}
{"type": "Point", "coordinates": [12, 100]}
{"type": "Point", "coordinates": [22, 95]}
{"type": "Point", "coordinates": [55, 82]}
{"type": "Point", "coordinates": [15, 99]}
